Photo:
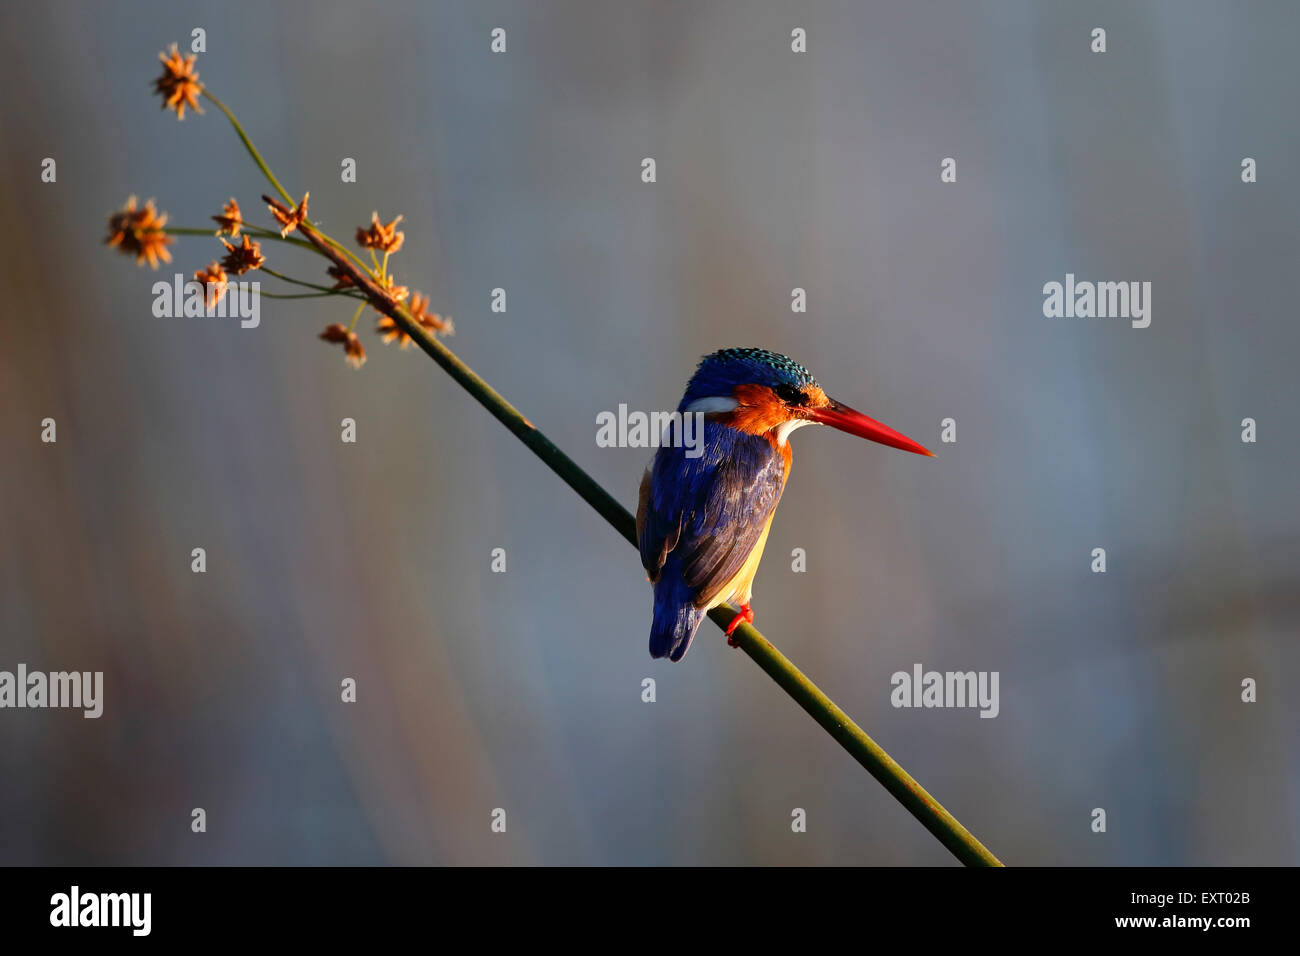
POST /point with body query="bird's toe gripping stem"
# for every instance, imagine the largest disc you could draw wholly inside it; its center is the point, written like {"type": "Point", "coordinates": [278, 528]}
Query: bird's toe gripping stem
{"type": "Point", "coordinates": [747, 615]}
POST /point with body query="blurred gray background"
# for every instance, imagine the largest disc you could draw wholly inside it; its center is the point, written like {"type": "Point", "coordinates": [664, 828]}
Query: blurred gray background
{"type": "Point", "coordinates": [775, 170]}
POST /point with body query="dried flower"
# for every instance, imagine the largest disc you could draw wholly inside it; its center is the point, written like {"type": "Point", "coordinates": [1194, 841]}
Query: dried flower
{"type": "Point", "coordinates": [335, 333]}
{"type": "Point", "coordinates": [388, 285]}
{"type": "Point", "coordinates": [179, 84]}
{"type": "Point", "coordinates": [341, 278]}
{"type": "Point", "coordinates": [214, 281]}
{"type": "Point", "coordinates": [435, 323]}
{"type": "Point", "coordinates": [289, 219]}
{"type": "Point", "coordinates": [381, 237]}
{"type": "Point", "coordinates": [354, 352]}
{"type": "Point", "coordinates": [244, 257]}
{"type": "Point", "coordinates": [139, 233]}
{"type": "Point", "coordinates": [390, 330]}
{"type": "Point", "coordinates": [230, 219]}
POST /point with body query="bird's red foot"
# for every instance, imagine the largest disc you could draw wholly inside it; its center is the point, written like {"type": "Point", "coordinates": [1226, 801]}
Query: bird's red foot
{"type": "Point", "coordinates": [747, 615]}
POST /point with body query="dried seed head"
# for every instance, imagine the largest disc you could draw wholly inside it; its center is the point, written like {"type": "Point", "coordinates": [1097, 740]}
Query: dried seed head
{"type": "Point", "coordinates": [139, 232]}
{"type": "Point", "coordinates": [384, 238]}
{"type": "Point", "coordinates": [179, 85]}
{"type": "Point", "coordinates": [244, 257]}
{"type": "Point", "coordinates": [214, 281]}
{"type": "Point", "coordinates": [230, 219]}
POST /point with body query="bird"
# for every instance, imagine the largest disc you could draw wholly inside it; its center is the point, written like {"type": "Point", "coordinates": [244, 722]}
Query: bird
{"type": "Point", "coordinates": [704, 513]}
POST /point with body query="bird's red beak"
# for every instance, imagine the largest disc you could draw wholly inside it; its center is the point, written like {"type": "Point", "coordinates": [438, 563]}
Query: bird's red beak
{"type": "Point", "coordinates": [840, 416]}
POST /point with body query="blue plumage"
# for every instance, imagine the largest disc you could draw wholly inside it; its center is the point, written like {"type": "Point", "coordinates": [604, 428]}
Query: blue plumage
{"type": "Point", "coordinates": [703, 521]}
{"type": "Point", "coordinates": [699, 520]}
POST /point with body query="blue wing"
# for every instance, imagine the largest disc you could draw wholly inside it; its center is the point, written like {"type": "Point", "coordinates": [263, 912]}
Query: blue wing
{"type": "Point", "coordinates": [698, 520]}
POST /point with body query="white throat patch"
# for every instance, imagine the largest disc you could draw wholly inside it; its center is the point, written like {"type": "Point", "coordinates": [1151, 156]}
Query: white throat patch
{"type": "Point", "coordinates": [785, 428]}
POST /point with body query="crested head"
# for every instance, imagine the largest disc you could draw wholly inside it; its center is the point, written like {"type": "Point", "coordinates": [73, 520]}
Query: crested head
{"type": "Point", "coordinates": [765, 393]}
{"type": "Point", "coordinates": [721, 372]}
{"type": "Point", "coordinates": [754, 391]}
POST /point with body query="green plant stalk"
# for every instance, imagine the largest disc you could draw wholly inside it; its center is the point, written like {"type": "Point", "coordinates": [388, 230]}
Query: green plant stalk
{"type": "Point", "coordinates": [324, 289]}
{"type": "Point", "coordinates": [248, 145]}
{"type": "Point", "coordinates": [932, 815]}
{"type": "Point", "coordinates": [266, 170]}
{"type": "Point", "coordinates": [256, 231]}
{"type": "Point", "coordinates": [308, 295]}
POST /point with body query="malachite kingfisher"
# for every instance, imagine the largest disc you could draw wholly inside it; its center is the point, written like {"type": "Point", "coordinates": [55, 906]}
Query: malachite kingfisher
{"type": "Point", "coordinates": [703, 519]}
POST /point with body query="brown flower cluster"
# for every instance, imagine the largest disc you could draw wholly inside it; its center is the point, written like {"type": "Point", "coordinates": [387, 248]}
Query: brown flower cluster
{"type": "Point", "coordinates": [244, 257]}
{"type": "Point", "coordinates": [388, 285]}
{"type": "Point", "coordinates": [231, 219]}
{"type": "Point", "coordinates": [432, 321]}
{"type": "Point", "coordinates": [419, 309]}
{"type": "Point", "coordinates": [289, 219]}
{"type": "Point", "coordinates": [385, 238]}
{"type": "Point", "coordinates": [179, 85]}
{"type": "Point", "coordinates": [214, 281]}
{"type": "Point", "coordinates": [139, 232]}
{"type": "Point", "coordinates": [353, 350]}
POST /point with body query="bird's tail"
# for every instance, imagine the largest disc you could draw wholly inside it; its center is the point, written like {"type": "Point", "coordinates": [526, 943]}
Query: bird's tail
{"type": "Point", "coordinates": [676, 618]}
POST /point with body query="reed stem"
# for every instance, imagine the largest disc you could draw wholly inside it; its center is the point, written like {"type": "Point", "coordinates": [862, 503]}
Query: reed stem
{"type": "Point", "coordinates": [932, 815]}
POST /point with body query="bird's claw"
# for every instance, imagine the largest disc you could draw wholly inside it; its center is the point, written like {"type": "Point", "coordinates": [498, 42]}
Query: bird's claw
{"type": "Point", "coordinates": [747, 615]}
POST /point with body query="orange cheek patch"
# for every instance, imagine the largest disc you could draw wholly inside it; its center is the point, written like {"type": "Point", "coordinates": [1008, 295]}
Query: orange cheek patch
{"type": "Point", "coordinates": [760, 410]}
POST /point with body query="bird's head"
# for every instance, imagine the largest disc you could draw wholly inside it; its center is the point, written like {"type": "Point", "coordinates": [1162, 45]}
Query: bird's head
{"type": "Point", "coordinates": [764, 393]}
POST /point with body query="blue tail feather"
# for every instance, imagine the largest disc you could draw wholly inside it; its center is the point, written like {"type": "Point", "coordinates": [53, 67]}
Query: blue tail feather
{"type": "Point", "coordinates": [676, 617]}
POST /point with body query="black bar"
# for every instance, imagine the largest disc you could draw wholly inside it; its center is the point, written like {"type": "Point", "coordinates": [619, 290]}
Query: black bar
{"type": "Point", "coordinates": [330, 906]}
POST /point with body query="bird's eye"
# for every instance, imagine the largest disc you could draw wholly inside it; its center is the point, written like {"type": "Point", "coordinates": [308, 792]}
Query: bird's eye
{"type": "Point", "coordinates": [791, 395]}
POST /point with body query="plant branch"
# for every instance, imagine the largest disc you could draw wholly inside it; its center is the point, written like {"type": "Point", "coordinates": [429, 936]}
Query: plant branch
{"type": "Point", "coordinates": [308, 295]}
{"type": "Point", "coordinates": [932, 815]}
{"type": "Point", "coordinates": [324, 289]}
{"type": "Point", "coordinates": [248, 145]}
{"type": "Point", "coordinates": [266, 170]}
{"type": "Point", "coordinates": [252, 230]}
